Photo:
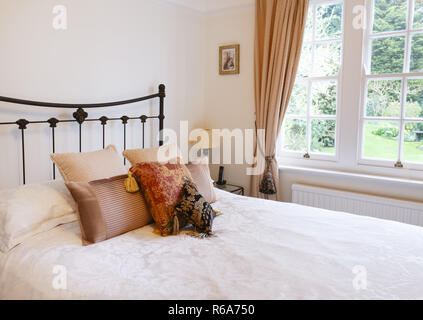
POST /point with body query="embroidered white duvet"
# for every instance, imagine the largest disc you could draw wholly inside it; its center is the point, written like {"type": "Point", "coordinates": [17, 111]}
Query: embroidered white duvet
{"type": "Point", "coordinates": [262, 250]}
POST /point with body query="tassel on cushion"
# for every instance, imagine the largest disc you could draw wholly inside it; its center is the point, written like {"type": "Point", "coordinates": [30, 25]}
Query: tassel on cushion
{"type": "Point", "coordinates": [131, 184]}
{"type": "Point", "coordinates": [175, 225]}
{"type": "Point", "coordinates": [171, 227]}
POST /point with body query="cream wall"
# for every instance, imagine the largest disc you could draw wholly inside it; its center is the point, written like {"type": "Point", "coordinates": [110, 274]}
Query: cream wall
{"type": "Point", "coordinates": [230, 98]}
{"type": "Point", "coordinates": [112, 50]}
{"type": "Point", "coordinates": [211, 6]}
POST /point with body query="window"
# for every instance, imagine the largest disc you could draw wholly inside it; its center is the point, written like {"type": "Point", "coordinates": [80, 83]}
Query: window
{"type": "Point", "coordinates": [391, 121]}
{"type": "Point", "coordinates": [310, 125]}
{"type": "Point", "coordinates": [357, 103]}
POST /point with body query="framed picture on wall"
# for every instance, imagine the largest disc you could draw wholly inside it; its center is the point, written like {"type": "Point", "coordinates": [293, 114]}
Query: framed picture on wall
{"type": "Point", "coordinates": [229, 59]}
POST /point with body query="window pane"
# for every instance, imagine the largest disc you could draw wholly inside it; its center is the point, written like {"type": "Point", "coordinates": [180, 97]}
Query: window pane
{"type": "Point", "coordinates": [294, 138]}
{"type": "Point", "coordinates": [388, 55]}
{"type": "Point", "coordinates": [304, 68]}
{"type": "Point", "coordinates": [384, 98]}
{"type": "Point", "coordinates": [323, 136]}
{"type": "Point", "coordinates": [323, 97]}
{"type": "Point", "coordinates": [329, 21]}
{"type": "Point", "coordinates": [389, 15]}
{"type": "Point", "coordinates": [416, 62]}
{"type": "Point", "coordinates": [308, 32]}
{"type": "Point", "coordinates": [418, 14]}
{"type": "Point", "coordinates": [327, 59]}
{"type": "Point", "coordinates": [413, 142]}
{"type": "Point", "coordinates": [381, 140]}
{"type": "Point", "coordinates": [298, 103]}
{"type": "Point", "coordinates": [414, 108]}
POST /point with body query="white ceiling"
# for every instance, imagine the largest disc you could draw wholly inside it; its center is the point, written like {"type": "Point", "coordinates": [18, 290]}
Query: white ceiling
{"type": "Point", "coordinates": [207, 6]}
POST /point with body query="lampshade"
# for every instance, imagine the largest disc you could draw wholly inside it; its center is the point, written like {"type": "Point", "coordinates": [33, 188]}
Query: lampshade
{"type": "Point", "coordinates": [202, 138]}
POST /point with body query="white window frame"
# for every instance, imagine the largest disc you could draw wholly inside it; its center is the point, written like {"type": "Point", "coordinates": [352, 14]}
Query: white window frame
{"type": "Point", "coordinates": [367, 76]}
{"type": "Point", "coordinates": [351, 95]}
{"type": "Point", "coordinates": [309, 80]}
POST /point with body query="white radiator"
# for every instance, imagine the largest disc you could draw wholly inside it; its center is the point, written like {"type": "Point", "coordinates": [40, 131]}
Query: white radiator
{"type": "Point", "coordinates": [361, 204]}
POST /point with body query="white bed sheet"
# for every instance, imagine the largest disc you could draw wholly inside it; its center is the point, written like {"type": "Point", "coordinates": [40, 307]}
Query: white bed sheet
{"type": "Point", "coordinates": [262, 250]}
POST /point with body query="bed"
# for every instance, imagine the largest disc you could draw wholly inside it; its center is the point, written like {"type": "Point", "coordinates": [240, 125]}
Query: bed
{"type": "Point", "coordinates": [261, 249]}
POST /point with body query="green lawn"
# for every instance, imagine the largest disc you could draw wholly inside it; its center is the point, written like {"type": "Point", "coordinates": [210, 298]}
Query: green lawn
{"type": "Point", "coordinates": [386, 148]}
{"type": "Point", "coordinates": [329, 150]}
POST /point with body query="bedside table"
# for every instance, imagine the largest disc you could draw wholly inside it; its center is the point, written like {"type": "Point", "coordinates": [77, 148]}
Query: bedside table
{"type": "Point", "coordinates": [231, 188]}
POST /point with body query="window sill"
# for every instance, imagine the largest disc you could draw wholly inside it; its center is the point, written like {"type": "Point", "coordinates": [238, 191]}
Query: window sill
{"type": "Point", "coordinates": [394, 181]}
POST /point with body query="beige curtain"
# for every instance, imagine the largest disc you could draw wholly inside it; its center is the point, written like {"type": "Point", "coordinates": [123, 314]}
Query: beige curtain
{"type": "Point", "coordinates": [278, 40]}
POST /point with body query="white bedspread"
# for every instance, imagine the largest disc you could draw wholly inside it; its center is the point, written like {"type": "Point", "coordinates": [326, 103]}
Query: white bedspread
{"type": "Point", "coordinates": [262, 250]}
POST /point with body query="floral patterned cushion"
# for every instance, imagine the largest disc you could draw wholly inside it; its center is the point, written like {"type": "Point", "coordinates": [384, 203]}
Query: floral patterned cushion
{"type": "Point", "coordinates": [195, 209]}
{"type": "Point", "coordinates": [162, 187]}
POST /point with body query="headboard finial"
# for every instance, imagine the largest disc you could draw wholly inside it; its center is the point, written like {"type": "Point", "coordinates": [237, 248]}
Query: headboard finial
{"type": "Point", "coordinates": [162, 90]}
{"type": "Point", "coordinates": [143, 118]}
{"type": "Point", "coordinates": [124, 119]}
{"type": "Point", "coordinates": [80, 115]}
{"type": "Point", "coordinates": [53, 122]}
{"type": "Point", "coordinates": [22, 123]}
{"type": "Point", "coordinates": [103, 120]}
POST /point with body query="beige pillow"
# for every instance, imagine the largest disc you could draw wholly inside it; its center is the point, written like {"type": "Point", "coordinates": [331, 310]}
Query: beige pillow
{"type": "Point", "coordinates": [200, 173]}
{"type": "Point", "coordinates": [89, 166]}
{"type": "Point", "coordinates": [106, 210]}
{"type": "Point", "coordinates": [163, 154]}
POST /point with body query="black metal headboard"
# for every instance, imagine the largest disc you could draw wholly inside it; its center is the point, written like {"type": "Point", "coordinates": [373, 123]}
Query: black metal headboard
{"type": "Point", "coordinates": [80, 116]}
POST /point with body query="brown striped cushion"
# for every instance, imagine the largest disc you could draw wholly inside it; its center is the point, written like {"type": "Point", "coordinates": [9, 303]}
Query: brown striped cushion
{"type": "Point", "coordinates": [106, 210]}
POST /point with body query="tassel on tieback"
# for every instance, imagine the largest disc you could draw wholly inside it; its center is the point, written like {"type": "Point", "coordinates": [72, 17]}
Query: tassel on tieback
{"type": "Point", "coordinates": [267, 185]}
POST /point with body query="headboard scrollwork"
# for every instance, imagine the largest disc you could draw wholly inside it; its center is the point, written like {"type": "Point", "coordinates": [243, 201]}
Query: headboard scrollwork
{"type": "Point", "coordinates": [80, 116]}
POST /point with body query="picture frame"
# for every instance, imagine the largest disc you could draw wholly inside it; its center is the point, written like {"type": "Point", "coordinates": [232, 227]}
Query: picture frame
{"type": "Point", "coordinates": [229, 59]}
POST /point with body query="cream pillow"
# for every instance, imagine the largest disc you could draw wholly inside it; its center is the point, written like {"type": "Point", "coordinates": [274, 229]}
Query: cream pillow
{"type": "Point", "coordinates": [28, 210]}
{"type": "Point", "coordinates": [161, 154]}
{"type": "Point", "coordinates": [200, 173]}
{"type": "Point", "coordinates": [89, 166]}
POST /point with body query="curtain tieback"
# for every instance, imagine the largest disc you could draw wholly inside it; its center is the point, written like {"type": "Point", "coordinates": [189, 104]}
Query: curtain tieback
{"type": "Point", "coordinates": [267, 185]}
